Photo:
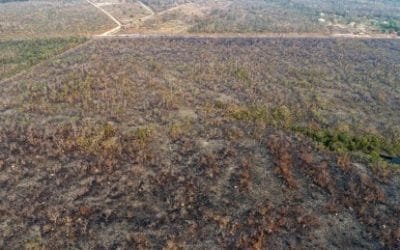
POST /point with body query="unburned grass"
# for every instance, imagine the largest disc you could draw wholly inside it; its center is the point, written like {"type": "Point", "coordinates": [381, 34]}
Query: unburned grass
{"type": "Point", "coordinates": [345, 142]}
{"type": "Point", "coordinates": [22, 54]}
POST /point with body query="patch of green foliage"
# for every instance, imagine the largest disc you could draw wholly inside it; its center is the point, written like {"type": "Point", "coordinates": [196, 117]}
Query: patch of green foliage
{"type": "Point", "coordinates": [253, 113]}
{"type": "Point", "coordinates": [99, 140]}
{"type": "Point", "coordinates": [279, 116]}
{"type": "Point", "coordinates": [22, 54]}
{"type": "Point", "coordinates": [390, 26]}
{"type": "Point", "coordinates": [338, 140]}
{"type": "Point", "coordinates": [344, 142]}
{"type": "Point", "coordinates": [143, 134]}
{"type": "Point", "coordinates": [242, 74]}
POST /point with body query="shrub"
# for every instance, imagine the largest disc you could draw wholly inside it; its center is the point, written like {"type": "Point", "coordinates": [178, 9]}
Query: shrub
{"type": "Point", "coordinates": [342, 142]}
{"type": "Point", "coordinates": [143, 134]}
{"type": "Point", "coordinates": [390, 26]}
{"type": "Point", "coordinates": [254, 113]}
{"type": "Point", "coordinates": [282, 116]}
{"type": "Point", "coordinates": [100, 141]}
{"type": "Point", "coordinates": [241, 74]}
{"type": "Point", "coordinates": [179, 129]}
{"type": "Point", "coordinates": [279, 117]}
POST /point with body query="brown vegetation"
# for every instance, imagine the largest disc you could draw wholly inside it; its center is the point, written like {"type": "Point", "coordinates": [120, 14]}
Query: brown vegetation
{"type": "Point", "coordinates": [191, 143]}
{"type": "Point", "coordinates": [46, 19]}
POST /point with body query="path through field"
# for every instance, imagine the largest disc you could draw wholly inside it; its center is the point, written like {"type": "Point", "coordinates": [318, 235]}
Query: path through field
{"type": "Point", "coordinates": [152, 13]}
{"type": "Point", "coordinates": [115, 20]}
{"type": "Point", "coordinates": [112, 34]}
{"type": "Point", "coordinates": [112, 31]}
{"type": "Point", "coordinates": [255, 36]}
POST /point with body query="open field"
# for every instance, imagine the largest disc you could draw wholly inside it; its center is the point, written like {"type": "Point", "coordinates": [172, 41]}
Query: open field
{"type": "Point", "coordinates": [44, 19]}
{"type": "Point", "coordinates": [204, 143]}
{"type": "Point", "coordinates": [126, 11]}
{"type": "Point", "coordinates": [38, 18]}
{"type": "Point", "coordinates": [290, 16]}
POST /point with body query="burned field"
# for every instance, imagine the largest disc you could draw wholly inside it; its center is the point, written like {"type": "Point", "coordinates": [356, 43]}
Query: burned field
{"type": "Point", "coordinates": [204, 143]}
{"type": "Point", "coordinates": [33, 19]}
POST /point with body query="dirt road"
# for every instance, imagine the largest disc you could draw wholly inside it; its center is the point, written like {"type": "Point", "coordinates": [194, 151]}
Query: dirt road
{"type": "Point", "coordinates": [112, 31]}
{"type": "Point", "coordinates": [259, 35]}
{"type": "Point", "coordinates": [115, 20]}
{"type": "Point", "coordinates": [112, 34]}
{"type": "Point", "coordinates": [152, 13]}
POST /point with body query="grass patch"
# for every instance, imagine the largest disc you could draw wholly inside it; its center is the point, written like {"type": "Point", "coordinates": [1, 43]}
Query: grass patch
{"type": "Point", "coordinates": [278, 116]}
{"type": "Point", "coordinates": [344, 142]}
{"type": "Point", "coordinates": [337, 140]}
{"type": "Point", "coordinates": [253, 113]}
{"type": "Point", "coordinates": [179, 129]}
{"type": "Point", "coordinates": [99, 141]}
{"type": "Point", "coordinates": [241, 74]}
{"type": "Point", "coordinates": [143, 135]}
{"type": "Point", "coordinates": [16, 56]}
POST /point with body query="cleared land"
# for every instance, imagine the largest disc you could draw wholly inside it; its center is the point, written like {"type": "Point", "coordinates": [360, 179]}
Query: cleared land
{"type": "Point", "coordinates": [204, 143]}
{"type": "Point", "coordinates": [282, 16]}
{"type": "Point", "coordinates": [34, 18]}
{"type": "Point", "coordinates": [126, 11]}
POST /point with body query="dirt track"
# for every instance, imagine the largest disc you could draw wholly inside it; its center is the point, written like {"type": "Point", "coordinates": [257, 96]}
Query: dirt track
{"type": "Point", "coordinates": [260, 35]}
{"type": "Point", "coordinates": [152, 13]}
{"type": "Point", "coordinates": [112, 31]}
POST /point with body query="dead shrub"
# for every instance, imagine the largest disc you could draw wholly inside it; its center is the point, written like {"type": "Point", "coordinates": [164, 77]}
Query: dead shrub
{"type": "Point", "coordinates": [283, 160]}
{"type": "Point", "coordinates": [344, 161]}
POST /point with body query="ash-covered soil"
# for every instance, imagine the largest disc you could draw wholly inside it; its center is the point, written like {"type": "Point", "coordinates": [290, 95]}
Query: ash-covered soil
{"type": "Point", "coordinates": [193, 143]}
